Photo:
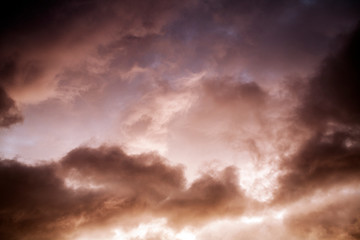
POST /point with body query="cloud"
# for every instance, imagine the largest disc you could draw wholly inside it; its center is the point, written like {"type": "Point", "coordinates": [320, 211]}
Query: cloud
{"type": "Point", "coordinates": [331, 154]}
{"type": "Point", "coordinates": [337, 219]}
{"type": "Point", "coordinates": [52, 49]}
{"type": "Point", "coordinates": [36, 204]}
{"type": "Point", "coordinates": [99, 187]}
{"type": "Point", "coordinates": [197, 81]}
{"type": "Point", "coordinates": [208, 197]}
{"type": "Point", "coordinates": [333, 92]}
{"type": "Point", "coordinates": [227, 105]}
{"type": "Point", "coordinates": [321, 163]}
{"type": "Point", "coordinates": [142, 175]}
{"type": "Point", "coordinates": [9, 113]}
{"type": "Point", "coordinates": [228, 37]}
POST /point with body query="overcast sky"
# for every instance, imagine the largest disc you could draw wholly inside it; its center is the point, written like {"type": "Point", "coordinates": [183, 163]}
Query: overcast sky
{"type": "Point", "coordinates": [180, 120]}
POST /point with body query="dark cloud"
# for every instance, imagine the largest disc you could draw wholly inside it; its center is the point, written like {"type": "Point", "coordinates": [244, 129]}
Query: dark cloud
{"type": "Point", "coordinates": [42, 41]}
{"type": "Point", "coordinates": [38, 203]}
{"type": "Point", "coordinates": [333, 92]}
{"type": "Point", "coordinates": [9, 113]}
{"type": "Point", "coordinates": [262, 38]}
{"type": "Point", "coordinates": [161, 187]}
{"type": "Point", "coordinates": [207, 198]}
{"type": "Point", "coordinates": [331, 156]}
{"type": "Point", "coordinates": [35, 204]}
{"type": "Point", "coordinates": [32, 35]}
{"type": "Point", "coordinates": [197, 31]}
{"type": "Point", "coordinates": [139, 175]}
{"type": "Point", "coordinates": [323, 162]}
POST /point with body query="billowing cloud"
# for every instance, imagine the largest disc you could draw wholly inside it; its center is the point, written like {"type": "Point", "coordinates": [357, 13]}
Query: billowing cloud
{"type": "Point", "coordinates": [323, 162]}
{"type": "Point", "coordinates": [333, 91]}
{"type": "Point", "coordinates": [43, 43]}
{"type": "Point", "coordinates": [233, 116]}
{"type": "Point", "coordinates": [143, 175]}
{"type": "Point", "coordinates": [207, 198]}
{"type": "Point", "coordinates": [103, 186]}
{"type": "Point", "coordinates": [331, 155]}
{"type": "Point", "coordinates": [36, 204]}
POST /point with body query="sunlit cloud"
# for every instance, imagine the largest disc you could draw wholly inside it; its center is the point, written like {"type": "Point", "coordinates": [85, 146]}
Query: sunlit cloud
{"type": "Point", "coordinates": [154, 229]}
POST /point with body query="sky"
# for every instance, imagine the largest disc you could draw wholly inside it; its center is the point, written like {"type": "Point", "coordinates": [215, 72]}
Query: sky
{"type": "Point", "coordinates": [180, 120]}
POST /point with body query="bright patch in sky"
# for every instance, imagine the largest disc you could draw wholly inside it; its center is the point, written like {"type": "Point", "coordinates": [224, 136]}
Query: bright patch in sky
{"type": "Point", "coordinates": [156, 229]}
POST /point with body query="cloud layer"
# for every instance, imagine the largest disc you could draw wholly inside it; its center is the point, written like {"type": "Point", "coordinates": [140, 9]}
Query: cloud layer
{"type": "Point", "coordinates": [103, 186]}
{"type": "Point", "coordinates": [331, 155]}
{"type": "Point", "coordinates": [180, 120]}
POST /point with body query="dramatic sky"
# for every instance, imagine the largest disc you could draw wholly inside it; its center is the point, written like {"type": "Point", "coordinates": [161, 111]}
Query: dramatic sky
{"type": "Point", "coordinates": [180, 120]}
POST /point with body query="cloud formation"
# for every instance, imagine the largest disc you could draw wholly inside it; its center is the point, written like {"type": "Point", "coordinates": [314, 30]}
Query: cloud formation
{"type": "Point", "coordinates": [332, 94]}
{"type": "Point", "coordinates": [252, 124]}
{"type": "Point", "coordinates": [331, 155]}
{"type": "Point", "coordinates": [9, 113]}
{"type": "Point", "coordinates": [94, 187]}
{"type": "Point", "coordinates": [45, 42]}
